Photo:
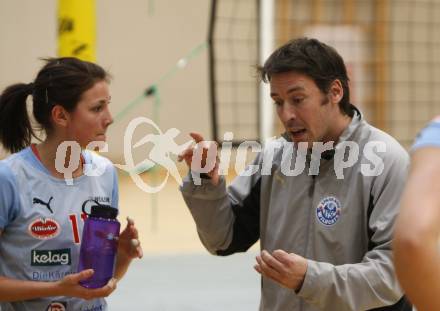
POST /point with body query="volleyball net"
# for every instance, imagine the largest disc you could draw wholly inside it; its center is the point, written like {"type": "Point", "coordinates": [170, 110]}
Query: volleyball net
{"type": "Point", "coordinates": [389, 47]}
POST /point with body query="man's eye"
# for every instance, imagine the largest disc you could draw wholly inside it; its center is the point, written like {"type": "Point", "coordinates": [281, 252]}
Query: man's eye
{"type": "Point", "coordinates": [97, 109]}
{"type": "Point", "coordinates": [297, 100]}
{"type": "Point", "coordinates": [278, 104]}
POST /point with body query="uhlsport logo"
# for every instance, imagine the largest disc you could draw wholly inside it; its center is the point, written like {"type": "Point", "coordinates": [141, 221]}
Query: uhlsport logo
{"type": "Point", "coordinates": [56, 257]}
{"type": "Point", "coordinates": [93, 308]}
{"type": "Point", "coordinates": [101, 199]}
{"type": "Point", "coordinates": [328, 211]}
{"type": "Point", "coordinates": [57, 306]}
{"type": "Point", "coordinates": [44, 228]}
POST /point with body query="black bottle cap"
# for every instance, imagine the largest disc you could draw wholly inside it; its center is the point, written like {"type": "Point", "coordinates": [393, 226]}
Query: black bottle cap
{"type": "Point", "coordinates": [103, 211]}
{"type": "Point", "coordinates": [100, 210]}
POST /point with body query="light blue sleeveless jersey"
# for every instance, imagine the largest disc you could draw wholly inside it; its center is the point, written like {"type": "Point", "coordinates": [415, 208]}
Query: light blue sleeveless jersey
{"type": "Point", "coordinates": [429, 136]}
{"type": "Point", "coordinates": [42, 222]}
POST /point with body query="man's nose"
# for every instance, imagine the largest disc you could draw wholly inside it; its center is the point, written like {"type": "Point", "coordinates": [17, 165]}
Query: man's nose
{"type": "Point", "coordinates": [287, 112]}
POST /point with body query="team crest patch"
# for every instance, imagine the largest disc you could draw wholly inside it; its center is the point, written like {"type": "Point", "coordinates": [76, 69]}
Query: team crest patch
{"type": "Point", "coordinates": [328, 211]}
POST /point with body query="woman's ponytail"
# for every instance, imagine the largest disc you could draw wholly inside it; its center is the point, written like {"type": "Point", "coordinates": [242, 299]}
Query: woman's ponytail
{"type": "Point", "coordinates": [15, 127]}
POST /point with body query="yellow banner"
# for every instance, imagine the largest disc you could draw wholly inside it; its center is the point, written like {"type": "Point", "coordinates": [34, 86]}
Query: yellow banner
{"type": "Point", "coordinates": [77, 29]}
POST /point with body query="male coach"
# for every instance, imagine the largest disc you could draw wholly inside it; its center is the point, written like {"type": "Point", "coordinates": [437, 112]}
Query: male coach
{"type": "Point", "coordinates": [325, 240]}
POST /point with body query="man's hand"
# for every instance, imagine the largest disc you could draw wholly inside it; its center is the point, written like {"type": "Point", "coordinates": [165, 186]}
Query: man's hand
{"type": "Point", "coordinates": [208, 152]}
{"type": "Point", "coordinates": [289, 270]}
{"type": "Point", "coordinates": [69, 286]}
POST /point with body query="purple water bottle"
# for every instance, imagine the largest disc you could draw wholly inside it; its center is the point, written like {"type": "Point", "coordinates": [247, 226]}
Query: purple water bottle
{"type": "Point", "coordinates": [99, 244]}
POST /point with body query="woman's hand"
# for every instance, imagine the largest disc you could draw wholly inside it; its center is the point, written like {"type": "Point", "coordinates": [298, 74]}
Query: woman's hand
{"type": "Point", "coordinates": [129, 244]}
{"type": "Point", "coordinates": [69, 286]}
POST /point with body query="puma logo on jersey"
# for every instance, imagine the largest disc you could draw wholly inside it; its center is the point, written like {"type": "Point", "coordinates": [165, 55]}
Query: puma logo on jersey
{"type": "Point", "coordinates": [41, 202]}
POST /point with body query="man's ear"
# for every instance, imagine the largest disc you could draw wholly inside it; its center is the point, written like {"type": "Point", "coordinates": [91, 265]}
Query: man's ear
{"type": "Point", "coordinates": [60, 116]}
{"type": "Point", "coordinates": [336, 92]}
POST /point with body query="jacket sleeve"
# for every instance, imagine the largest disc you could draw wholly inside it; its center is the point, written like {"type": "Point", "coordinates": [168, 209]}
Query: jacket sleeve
{"type": "Point", "coordinates": [370, 283]}
{"type": "Point", "coordinates": [227, 218]}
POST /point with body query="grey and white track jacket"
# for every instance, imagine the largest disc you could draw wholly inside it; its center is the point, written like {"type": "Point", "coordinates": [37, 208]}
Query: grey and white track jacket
{"type": "Point", "coordinates": [343, 226]}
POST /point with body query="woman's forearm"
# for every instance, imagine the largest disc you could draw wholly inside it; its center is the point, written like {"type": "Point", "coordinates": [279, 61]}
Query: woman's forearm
{"type": "Point", "coordinates": [17, 290]}
{"type": "Point", "coordinates": [122, 264]}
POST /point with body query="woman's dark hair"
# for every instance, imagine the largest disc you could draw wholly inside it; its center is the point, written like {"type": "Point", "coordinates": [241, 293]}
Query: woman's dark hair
{"type": "Point", "coordinates": [315, 59]}
{"type": "Point", "coordinates": [62, 81]}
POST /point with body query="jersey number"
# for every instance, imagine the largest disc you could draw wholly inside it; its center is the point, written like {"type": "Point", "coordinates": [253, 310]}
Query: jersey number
{"type": "Point", "coordinates": [74, 223]}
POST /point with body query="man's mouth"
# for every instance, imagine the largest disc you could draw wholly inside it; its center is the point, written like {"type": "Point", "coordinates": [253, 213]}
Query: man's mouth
{"type": "Point", "coordinates": [297, 133]}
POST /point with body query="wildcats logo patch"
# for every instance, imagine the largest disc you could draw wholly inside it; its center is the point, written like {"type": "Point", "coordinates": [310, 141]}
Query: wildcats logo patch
{"type": "Point", "coordinates": [328, 211]}
{"type": "Point", "coordinates": [44, 228]}
{"type": "Point", "coordinates": [56, 257]}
